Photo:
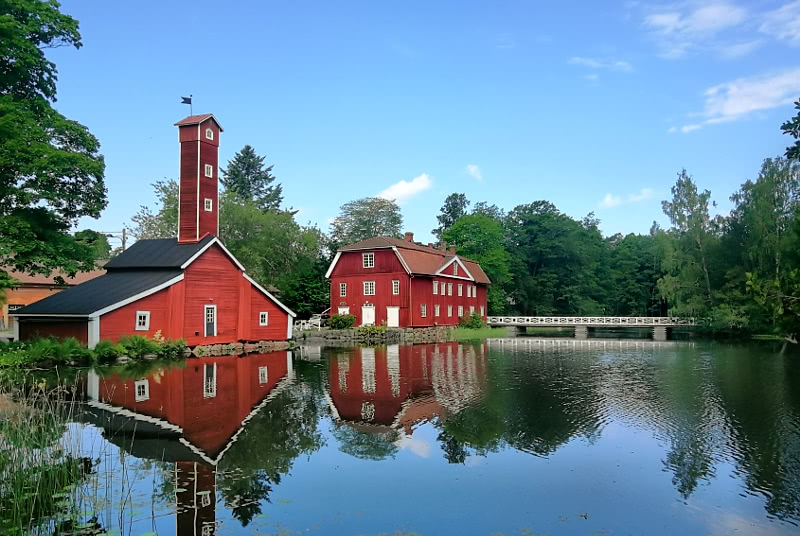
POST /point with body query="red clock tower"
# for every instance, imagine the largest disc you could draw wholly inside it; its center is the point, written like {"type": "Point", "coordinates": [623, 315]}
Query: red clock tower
{"type": "Point", "coordinates": [198, 199]}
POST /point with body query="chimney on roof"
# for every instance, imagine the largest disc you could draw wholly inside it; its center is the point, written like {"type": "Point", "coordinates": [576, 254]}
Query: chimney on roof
{"type": "Point", "coordinates": [430, 245]}
{"type": "Point", "coordinates": [443, 245]}
{"type": "Point", "coordinates": [453, 249]}
{"type": "Point", "coordinates": [409, 237]}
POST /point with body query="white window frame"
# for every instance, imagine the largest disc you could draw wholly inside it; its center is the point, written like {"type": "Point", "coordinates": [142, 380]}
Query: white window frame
{"type": "Point", "coordinates": [141, 383]}
{"type": "Point", "coordinates": [342, 290]}
{"type": "Point", "coordinates": [208, 204]}
{"type": "Point", "coordinates": [435, 288]}
{"type": "Point", "coordinates": [436, 309]}
{"type": "Point", "coordinates": [482, 311]}
{"type": "Point", "coordinates": [205, 319]}
{"type": "Point", "coordinates": [369, 286]}
{"type": "Point", "coordinates": [263, 375]}
{"type": "Point", "coordinates": [423, 310]}
{"type": "Point", "coordinates": [449, 289]}
{"type": "Point", "coordinates": [460, 311]}
{"type": "Point", "coordinates": [263, 318]}
{"type": "Point", "coordinates": [368, 260]}
{"type": "Point", "coordinates": [209, 171]}
{"type": "Point", "coordinates": [460, 290]}
{"type": "Point", "coordinates": [449, 311]}
{"type": "Point", "coordinates": [471, 310]}
{"type": "Point", "coordinates": [395, 287]}
{"type": "Point", "coordinates": [209, 388]}
{"type": "Point", "coordinates": [455, 268]}
{"type": "Point", "coordinates": [146, 315]}
{"type": "Point", "coordinates": [209, 134]}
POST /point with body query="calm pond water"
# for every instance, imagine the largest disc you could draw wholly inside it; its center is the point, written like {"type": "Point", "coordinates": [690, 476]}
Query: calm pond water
{"type": "Point", "coordinates": [513, 436]}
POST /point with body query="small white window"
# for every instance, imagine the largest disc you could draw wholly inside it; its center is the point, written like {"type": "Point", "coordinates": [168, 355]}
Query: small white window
{"type": "Point", "coordinates": [142, 390]}
{"type": "Point", "coordinates": [436, 287]}
{"type": "Point", "coordinates": [455, 268]}
{"type": "Point", "coordinates": [449, 310]}
{"type": "Point", "coordinates": [142, 320]}
{"type": "Point", "coordinates": [449, 289]}
{"type": "Point", "coordinates": [263, 375]}
{"type": "Point", "coordinates": [423, 310]}
{"type": "Point", "coordinates": [209, 204]}
{"type": "Point", "coordinates": [210, 380]}
{"type": "Point", "coordinates": [342, 289]}
{"type": "Point", "coordinates": [460, 290]}
{"type": "Point", "coordinates": [482, 311]}
{"type": "Point", "coordinates": [471, 309]}
{"type": "Point", "coordinates": [263, 318]}
{"type": "Point", "coordinates": [469, 291]}
{"type": "Point", "coordinates": [205, 498]}
{"type": "Point", "coordinates": [436, 310]}
{"type": "Point", "coordinates": [395, 287]}
{"type": "Point", "coordinates": [369, 288]}
{"type": "Point", "coordinates": [209, 170]}
{"type": "Point", "coordinates": [460, 311]}
{"type": "Point", "coordinates": [209, 134]}
{"type": "Point", "coordinates": [368, 260]}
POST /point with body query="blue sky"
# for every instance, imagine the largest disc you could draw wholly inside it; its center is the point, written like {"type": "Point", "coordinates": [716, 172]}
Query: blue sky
{"type": "Point", "coordinates": [594, 106]}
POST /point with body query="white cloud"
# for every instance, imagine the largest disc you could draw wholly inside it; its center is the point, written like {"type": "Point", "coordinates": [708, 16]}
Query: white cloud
{"type": "Point", "coordinates": [420, 447]}
{"type": "Point", "coordinates": [611, 200]}
{"type": "Point", "coordinates": [784, 23]}
{"type": "Point", "coordinates": [474, 172]}
{"type": "Point", "coordinates": [679, 31]}
{"type": "Point", "coordinates": [602, 63]}
{"type": "Point", "coordinates": [403, 191]}
{"type": "Point", "coordinates": [739, 98]}
{"type": "Point", "coordinates": [739, 49]}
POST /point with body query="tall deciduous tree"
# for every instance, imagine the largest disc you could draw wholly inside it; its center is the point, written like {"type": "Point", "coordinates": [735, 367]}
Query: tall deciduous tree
{"type": "Point", "coordinates": [366, 218]}
{"type": "Point", "coordinates": [163, 223]}
{"type": "Point", "coordinates": [250, 179]}
{"type": "Point", "coordinates": [792, 128]}
{"type": "Point", "coordinates": [480, 238]}
{"type": "Point", "coordinates": [51, 168]}
{"type": "Point", "coordinates": [455, 206]}
{"type": "Point", "coordinates": [97, 241]}
{"type": "Point", "coordinates": [688, 261]}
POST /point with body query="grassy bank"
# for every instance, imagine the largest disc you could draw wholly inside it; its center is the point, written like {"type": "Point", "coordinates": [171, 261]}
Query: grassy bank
{"type": "Point", "coordinates": [486, 332]}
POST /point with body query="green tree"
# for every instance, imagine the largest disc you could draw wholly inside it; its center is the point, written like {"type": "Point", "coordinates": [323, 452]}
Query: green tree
{"type": "Point", "coordinates": [492, 211]}
{"type": "Point", "coordinates": [454, 207]}
{"type": "Point", "coordinates": [164, 223]}
{"type": "Point", "coordinates": [687, 284]}
{"type": "Point", "coordinates": [249, 179]}
{"type": "Point", "coordinates": [366, 218]}
{"type": "Point", "coordinates": [97, 241]}
{"type": "Point", "coordinates": [480, 238]}
{"type": "Point", "coordinates": [792, 128]}
{"type": "Point", "coordinates": [53, 173]}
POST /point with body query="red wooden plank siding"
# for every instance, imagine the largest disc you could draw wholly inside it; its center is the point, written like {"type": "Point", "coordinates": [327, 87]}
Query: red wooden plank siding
{"type": "Point", "coordinates": [188, 190]}
{"type": "Point", "coordinates": [277, 319]}
{"type": "Point", "coordinates": [208, 187]}
{"type": "Point", "coordinates": [122, 321]}
{"type": "Point", "coordinates": [60, 329]}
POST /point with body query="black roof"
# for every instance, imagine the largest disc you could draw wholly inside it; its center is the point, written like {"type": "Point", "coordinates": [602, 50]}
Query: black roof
{"type": "Point", "coordinates": [158, 253]}
{"type": "Point", "coordinates": [100, 292]}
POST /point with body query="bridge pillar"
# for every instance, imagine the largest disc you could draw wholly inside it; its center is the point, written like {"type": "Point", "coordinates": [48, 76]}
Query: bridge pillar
{"type": "Point", "coordinates": [660, 333]}
{"type": "Point", "coordinates": [581, 332]}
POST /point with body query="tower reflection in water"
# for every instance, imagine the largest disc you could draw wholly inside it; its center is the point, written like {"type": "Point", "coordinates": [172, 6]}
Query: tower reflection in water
{"type": "Point", "coordinates": [189, 417]}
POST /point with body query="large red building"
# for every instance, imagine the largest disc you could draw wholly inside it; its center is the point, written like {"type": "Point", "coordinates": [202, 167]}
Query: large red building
{"type": "Point", "coordinates": [404, 284]}
{"type": "Point", "coordinates": [191, 287]}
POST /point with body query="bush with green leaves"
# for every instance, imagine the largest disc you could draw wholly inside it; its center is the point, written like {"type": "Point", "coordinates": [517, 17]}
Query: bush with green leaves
{"type": "Point", "coordinates": [172, 349]}
{"type": "Point", "coordinates": [342, 321]}
{"type": "Point", "coordinates": [107, 351]}
{"type": "Point", "coordinates": [136, 346]}
{"type": "Point", "coordinates": [473, 321]}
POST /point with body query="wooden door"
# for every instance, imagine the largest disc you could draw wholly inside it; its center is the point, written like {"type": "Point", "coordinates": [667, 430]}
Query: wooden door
{"type": "Point", "coordinates": [210, 320]}
{"type": "Point", "coordinates": [368, 315]}
{"type": "Point", "coordinates": [393, 316]}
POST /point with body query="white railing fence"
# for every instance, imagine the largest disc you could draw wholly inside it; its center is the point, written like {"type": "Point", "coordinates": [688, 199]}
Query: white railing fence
{"type": "Point", "coordinates": [591, 321]}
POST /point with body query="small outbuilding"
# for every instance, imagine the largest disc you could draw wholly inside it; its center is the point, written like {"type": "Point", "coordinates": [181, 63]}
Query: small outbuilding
{"type": "Point", "coordinates": [189, 287]}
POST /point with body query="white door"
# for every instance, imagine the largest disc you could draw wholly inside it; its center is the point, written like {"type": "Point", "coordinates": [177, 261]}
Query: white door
{"type": "Point", "coordinates": [393, 317]}
{"type": "Point", "coordinates": [344, 310]}
{"type": "Point", "coordinates": [368, 315]}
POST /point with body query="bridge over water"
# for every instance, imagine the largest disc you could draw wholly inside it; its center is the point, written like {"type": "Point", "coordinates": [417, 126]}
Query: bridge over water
{"type": "Point", "coordinates": [660, 326]}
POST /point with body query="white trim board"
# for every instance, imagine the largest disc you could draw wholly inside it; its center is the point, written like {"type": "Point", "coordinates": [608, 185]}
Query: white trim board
{"type": "Point", "coordinates": [134, 298]}
{"type": "Point", "coordinates": [270, 296]}
{"type": "Point", "coordinates": [202, 250]}
{"type": "Point", "coordinates": [451, 261]}
{"type": "Point", "coordinates": [339, 255]}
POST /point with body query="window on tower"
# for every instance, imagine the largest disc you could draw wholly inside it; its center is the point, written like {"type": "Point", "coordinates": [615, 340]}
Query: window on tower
{"type": "Point", "coordinates": [209, 134]}
{"type": "Point", "coordinates": [209, 205]}
{"type": "Point", "coordinates": [209, 170]}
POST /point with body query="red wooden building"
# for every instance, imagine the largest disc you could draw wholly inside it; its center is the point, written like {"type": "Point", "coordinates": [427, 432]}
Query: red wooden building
{"type": "Point", "coordinates": [405, 284]}
{"type": "Point", "coordinates": [190, 287]}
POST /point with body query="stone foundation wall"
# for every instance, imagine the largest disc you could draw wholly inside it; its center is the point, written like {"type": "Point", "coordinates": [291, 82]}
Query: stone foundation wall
{"type": "Point", "coordinates": [261, 347]}
{"type": "Point", "coordinates": [381, 336]}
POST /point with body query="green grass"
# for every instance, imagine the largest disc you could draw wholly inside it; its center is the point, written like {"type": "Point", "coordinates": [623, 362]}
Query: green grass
{"type": "Point", "coordinates": [470, 334]}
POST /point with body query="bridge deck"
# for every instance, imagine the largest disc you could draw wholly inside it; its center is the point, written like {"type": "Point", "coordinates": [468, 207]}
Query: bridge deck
{"type": "Point", "coordinates": [591, 321]}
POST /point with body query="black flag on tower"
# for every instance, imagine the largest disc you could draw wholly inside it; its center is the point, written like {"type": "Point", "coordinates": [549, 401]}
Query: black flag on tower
{"type": "Point", "coordinates": [186, 100]}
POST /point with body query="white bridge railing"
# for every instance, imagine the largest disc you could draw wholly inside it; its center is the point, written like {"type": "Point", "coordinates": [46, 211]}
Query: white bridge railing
{"type": "Point", "coordinates": [590, 321]}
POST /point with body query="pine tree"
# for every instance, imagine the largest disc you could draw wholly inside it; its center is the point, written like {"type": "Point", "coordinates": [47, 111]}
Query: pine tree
{"type": "Point", "coordinates": [248, 179]}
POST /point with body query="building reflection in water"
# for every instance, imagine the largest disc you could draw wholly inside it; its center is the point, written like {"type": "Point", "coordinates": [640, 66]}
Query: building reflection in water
{"type": "Point", "coordinates": [388, 390]}
{"type": "Point", "coordinates": [189, 417]}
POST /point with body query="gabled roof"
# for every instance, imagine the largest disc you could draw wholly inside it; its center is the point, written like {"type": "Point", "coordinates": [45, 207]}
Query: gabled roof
{"type": "Point", "coordinates": [418, 259]}
{"type": "Point", "coordinates": [197, 119]}
{"type": "Point", "coordinates": [158, 253]}
{"type": "Point", "coordinates": [101, 292]}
